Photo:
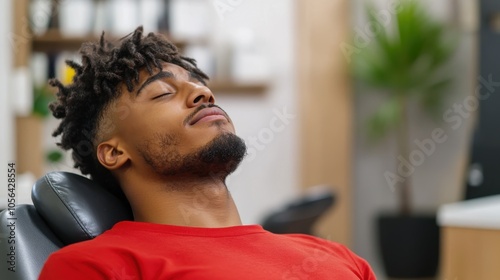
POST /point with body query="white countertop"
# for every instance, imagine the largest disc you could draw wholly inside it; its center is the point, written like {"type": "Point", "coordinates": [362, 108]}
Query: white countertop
{"type": "Point", "coordinates": [481, 213]}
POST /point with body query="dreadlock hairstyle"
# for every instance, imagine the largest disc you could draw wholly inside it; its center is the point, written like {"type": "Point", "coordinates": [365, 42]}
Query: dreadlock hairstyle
{"type": "Point", "coordinates": [81, 104]}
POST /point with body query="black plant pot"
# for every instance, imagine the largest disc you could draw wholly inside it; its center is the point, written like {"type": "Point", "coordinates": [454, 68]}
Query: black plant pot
{"type": "Point", "coordinates": [409, 245]}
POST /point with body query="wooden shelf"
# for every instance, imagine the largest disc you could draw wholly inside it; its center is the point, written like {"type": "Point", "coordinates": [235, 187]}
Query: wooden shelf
{"type": "Point", "coordinates": [54, 41]}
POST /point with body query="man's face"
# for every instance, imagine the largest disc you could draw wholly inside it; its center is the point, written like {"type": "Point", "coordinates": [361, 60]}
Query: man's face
{"type": "Point", "coordinates": [172, 126]}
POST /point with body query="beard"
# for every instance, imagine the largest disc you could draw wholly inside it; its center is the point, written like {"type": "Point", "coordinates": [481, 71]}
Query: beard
{"type": "Point", "coordinates": [216, 160]}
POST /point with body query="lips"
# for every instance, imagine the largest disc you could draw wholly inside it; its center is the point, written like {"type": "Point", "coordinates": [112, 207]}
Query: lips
{"type": "Point", "coordinates": [207, 112]}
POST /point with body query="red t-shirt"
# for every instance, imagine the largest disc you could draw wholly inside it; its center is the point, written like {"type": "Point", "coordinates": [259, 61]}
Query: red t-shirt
{"type": "Point", "coordinates": [137, 250]}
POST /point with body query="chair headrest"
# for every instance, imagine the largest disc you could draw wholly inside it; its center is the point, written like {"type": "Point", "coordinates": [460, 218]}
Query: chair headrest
{"type": "Point", "coordinates": [77, 208]}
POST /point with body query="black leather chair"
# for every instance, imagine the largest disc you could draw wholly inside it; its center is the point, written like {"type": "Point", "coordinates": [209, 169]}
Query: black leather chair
{"type": "Point", "coordinates": [300, 215]}
{"type": "Point", "coordinates": [67, 208]}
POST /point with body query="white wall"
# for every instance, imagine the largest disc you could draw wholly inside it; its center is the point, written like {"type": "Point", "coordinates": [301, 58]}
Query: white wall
{"type": "Point", "coordinates": [6, 118]}
{"type": "Point", "coordinates": [439, 178]}
{"type": "Point", "coordinates": [270, 179]}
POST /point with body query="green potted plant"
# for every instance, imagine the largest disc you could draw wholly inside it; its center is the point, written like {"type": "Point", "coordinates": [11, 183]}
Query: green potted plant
{"type": "Point", "coordinates": [406, 57]}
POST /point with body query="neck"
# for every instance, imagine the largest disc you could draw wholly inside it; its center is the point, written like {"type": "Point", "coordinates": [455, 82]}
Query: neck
{"type": "Point", "coordinates": [184, 202]}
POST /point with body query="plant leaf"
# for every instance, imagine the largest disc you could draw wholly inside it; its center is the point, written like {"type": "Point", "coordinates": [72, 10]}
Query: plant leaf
{"type": "Point", "coordinates": [387, 116]}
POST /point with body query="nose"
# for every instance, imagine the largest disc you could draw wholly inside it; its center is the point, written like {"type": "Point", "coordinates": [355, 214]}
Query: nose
{"type": "Point", "coordinates": [199, 94]}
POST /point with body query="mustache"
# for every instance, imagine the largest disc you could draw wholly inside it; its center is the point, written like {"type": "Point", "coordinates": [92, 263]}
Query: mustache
{"type": "Point", "coordinates": [199, 108]}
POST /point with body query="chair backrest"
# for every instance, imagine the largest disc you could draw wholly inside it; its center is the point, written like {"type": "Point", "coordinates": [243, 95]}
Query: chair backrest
{"type": "Point", "coordinates": [300, 215]}
{"type": "Point", "coordinates": [67, 208]}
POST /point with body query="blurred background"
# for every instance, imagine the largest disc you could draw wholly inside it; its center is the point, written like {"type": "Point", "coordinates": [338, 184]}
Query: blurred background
{"type": "Point", "coordinates": [392, 105]}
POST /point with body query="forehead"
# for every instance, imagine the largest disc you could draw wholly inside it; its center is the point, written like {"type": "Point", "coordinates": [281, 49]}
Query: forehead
{"type": "Point", "coordinates": [179, 72]}
{"type": "Point", "coordinates": [176, 71]}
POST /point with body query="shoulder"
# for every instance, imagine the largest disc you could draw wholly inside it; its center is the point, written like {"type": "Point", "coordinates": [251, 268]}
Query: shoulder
{"type": "Point", "coordinates": [316, 242]}
{"type": "Point", "coordinates": [323, 248]}
{"type": "Point", "coordinates": [90, 251]}
{"type": "Point", "coordinates": [97, 247]}
{"type": "Point", "coordinates": [97, 257]}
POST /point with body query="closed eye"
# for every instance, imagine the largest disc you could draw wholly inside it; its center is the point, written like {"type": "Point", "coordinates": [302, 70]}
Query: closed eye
{"type": "Point", "coordinates": [161, 95]}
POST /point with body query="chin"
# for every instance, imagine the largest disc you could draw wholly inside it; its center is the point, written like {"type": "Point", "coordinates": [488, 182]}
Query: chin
{"type": "Point", "coordinates": [223, 154]}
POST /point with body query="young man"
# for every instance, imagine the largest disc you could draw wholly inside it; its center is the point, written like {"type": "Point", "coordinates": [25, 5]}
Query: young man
{"type": "Point", "coordinates": [153, 132]}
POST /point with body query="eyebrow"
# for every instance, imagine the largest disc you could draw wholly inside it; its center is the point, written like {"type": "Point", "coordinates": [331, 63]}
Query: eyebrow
{"type": "Point", "coordinates": [193, 76]}
{"type": "Point", "coordinates": [168, 74]}
{"type": "Point", "coordinates": [160, 75]}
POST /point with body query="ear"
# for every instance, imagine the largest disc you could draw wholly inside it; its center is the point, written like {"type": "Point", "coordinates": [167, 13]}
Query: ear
{"type": "Point", "coordinates": [111, 154]}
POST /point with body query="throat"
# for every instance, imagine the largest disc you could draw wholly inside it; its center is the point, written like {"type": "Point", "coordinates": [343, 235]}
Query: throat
{"type": "Point", "coordinates": [187, 202]}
